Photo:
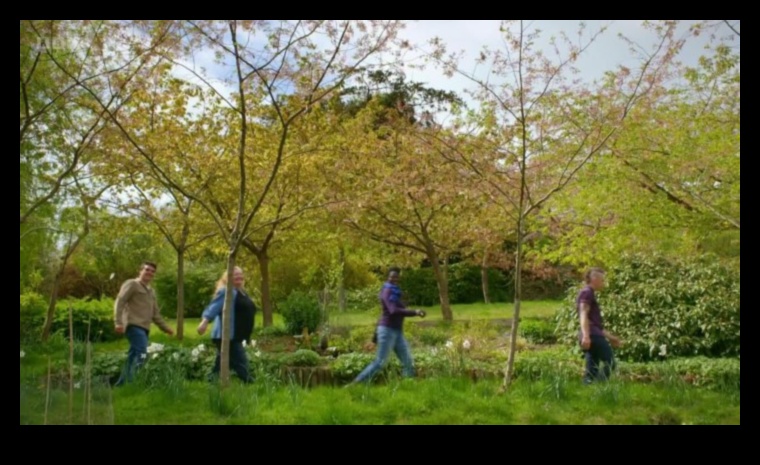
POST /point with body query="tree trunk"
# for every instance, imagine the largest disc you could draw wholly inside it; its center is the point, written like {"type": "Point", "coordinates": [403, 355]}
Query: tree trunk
{"type": "Point", "coordinates": [342, 281]}
{"type": "Point", "coordinates": [224, 369]}
{"type": "Point", "coordinates": [57, 282]}
{"type": "Point", "coordinates": [484, 280]}
{"type": "Point", "coordinates": [180, 293]}
{"type": "Point", "coordinates": [516, 317]}
{"type": "Point", "coordinates": [443, 284]}
{"type": "Point", "coordinates": [51, 305]}
{"type": "Point", "coordinates": [266, 300]}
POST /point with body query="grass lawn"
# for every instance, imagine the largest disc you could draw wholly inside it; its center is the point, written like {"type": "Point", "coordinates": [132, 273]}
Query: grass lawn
{"type": "Point", "coordinates": [420, 401]}
{"type": "Point", "coordinates": [551, 399]}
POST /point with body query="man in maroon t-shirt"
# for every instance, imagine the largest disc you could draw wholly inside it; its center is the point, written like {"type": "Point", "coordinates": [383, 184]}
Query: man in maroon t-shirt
{"type": "Point", "coordinates": [592, 335]}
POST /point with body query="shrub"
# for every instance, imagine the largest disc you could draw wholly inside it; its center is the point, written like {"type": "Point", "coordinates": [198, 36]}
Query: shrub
{"type": "Point", "coordinates": [537, 330]}
{"type": "Point", "coordinates": [299, 311]}
{"type": "Point", "coordinates": [98, 313]}
{"type": "Point", "coordinates": [664, 308]}
{"type": "Point", "coordinates": [301, 358]}
{"type": "Point", "coordinates": [199, 285]}
{"type": "Point", "coordinates": [32, 317]}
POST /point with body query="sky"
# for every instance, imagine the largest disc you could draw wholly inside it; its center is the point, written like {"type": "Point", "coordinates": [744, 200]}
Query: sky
{"type": "Point", "coordinates": [469, 36]}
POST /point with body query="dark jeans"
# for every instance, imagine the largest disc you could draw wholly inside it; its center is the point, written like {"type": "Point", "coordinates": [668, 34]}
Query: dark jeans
{"type": "Point", "coordinates": [238, 360]}
{"type": "Point", "coordinates": [138, 351]}
{"type": "Point", "coordinates": [599, 352]}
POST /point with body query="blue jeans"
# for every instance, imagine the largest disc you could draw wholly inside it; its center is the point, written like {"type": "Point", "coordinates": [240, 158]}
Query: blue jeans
{"type": "Point", "coordinates": [387, 339]}
{"type": "Point", "coordinates": [138, 351]}
{"type": "Point", "coordinates": [238, 361]}
{"type": "Point", "coordinates": [600, 351]}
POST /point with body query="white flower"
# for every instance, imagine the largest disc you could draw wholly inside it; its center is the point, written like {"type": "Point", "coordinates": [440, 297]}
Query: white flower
{"type": "Point", "coordinates": [201, 348]}
{"type": "Point", "coordinates": [175, 355]}
{"type": "Point", "coordinates": [112, 275]}
{"type": "Point", "coordinates": [77, 385]}
{"type": "Point", "coordinates": [195, 358]}
{"type": "Point", "coordinates": [154, 356]}
{"type": "Point", "coordinates": [155, 347]}
{"type": "Point", "coordinates": [449, 344]}
{"type": "Point", "coordinates": [257, 353]}
{"type": "Point", "coordinates": [244, 343]}
{"type": "Point", "coordinates": [23, 354]}
{"type": "Point", "coordinates": [716, 184]}
{"type": "Point", "coordinates": [253, 343]}
{"type": "Point", "coordinates": [663, 350]}
{"type": "Point", "coordinates": [195, 352]}
{"type": "Point", "coordinates": [466, 344]}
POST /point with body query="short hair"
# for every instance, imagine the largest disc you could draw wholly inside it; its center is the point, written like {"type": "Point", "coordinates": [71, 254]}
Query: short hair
{"type": "Point", "coordinates": [590, 273]}
{"type": "Point", "coordinates": [394, 269]}
{"type": "Point", "coordinates": [143, 264]}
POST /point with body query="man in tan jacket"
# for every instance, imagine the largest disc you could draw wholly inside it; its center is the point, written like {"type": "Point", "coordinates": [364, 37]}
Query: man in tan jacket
{"type": "Point", "coordinates": [134, 311]}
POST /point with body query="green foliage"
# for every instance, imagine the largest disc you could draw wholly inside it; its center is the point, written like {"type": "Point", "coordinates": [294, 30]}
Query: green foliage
{"type": "Point", "coordinates": [432, 336]}
{"type": "Point", "coordinates": [419, 287]}
{"type": "Point", "coordinates": [299, 311]}
{"type": "Point", "coordinates": [715, 373]}
{"type": "Point", "coordinates": [302, 358]}
{"type": "Point", "coordinates": [199, 288]}
{"type": "Point", "coordinates": [32, 316]}
{"type": "Point", "coordinates": [663, 308]}
{"type": "Point", "coordinates": [270, 331]}
{"type": "Point", "coordinates": [365, 299]}
{"type": "Point", "coordinates": [348, 366]}
{"type": "Point", "coordinates": [466, 284]}
{"type": "Point", "coordinates": [537, 330]}
{"type": "Point", "coordinates": [548, 363]}
{"type": "Point", "coordinates": [98, 313]}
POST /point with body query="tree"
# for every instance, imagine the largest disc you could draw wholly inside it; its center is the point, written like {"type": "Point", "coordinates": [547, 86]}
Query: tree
{"type": "Point", "coordinates": [289, 58]}
{"type": "Point", "coordinates": [538, 131]}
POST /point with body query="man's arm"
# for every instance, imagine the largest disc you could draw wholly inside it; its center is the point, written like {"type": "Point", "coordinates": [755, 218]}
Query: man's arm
{"type": "Point", "coordinates": [158, 320]}
{"type": "Point", "coordinates": [614, 340]}
{"type": "Point", "coordinates": [394, 306]}
{"type": "Point", "coordinates": [585, 325]}
{"type": "Point", "coordinates": [125, 293]}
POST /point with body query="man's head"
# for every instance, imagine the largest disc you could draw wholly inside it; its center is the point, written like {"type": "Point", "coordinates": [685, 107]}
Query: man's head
{"type": "Point", "coordinates": [595, 278]}
{"type": "Point", "coordinates": [393, 275]}
{"type": "Point", "coordinates": [147, 271]}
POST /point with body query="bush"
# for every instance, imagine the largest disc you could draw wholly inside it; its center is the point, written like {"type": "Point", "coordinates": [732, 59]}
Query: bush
{"type": "Point", "coordinates": [99, 313]}
{"type": "Point", "coordinates": [32, 317]}
{"type": "Point", "coordinates": [466, 284]}
{"type": "Point", "coordinates": [270, 331]}
{"type": "Point", "coordinates": [664, 308]}
{"type": "Point", "coordinates": [433, 336]}
{"type": "Point", "coordinates": [537, 330]}
{"type": "Point", "coordinates": [299, 311]}
{"type": "Point", "coordinates": [551, 363]}
{"type": "Point", "coordinates": [302, 358]}
{"type": "Point", "coordinates": [199, 288]}
{"type": "Point", "coordinates": [348, 366]}
{"type": "Point", "coordinates": [714, 373]}
{"type": "Point", "coordinates": [363, 299]}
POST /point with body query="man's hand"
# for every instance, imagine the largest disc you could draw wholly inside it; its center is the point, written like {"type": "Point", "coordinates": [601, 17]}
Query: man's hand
{"type": "Point", "coordinates": [202, 327]}
{"type": "Point", "coordinates": [170, 332]}
{"type": "Point", "coordinates": [421, 313]}
{"type": "Point", "coordinates": [119, 329]}
{"type": "Point", "coordinates": [586, 343]}
{"type": "Point", "coordinates": [615, 342]}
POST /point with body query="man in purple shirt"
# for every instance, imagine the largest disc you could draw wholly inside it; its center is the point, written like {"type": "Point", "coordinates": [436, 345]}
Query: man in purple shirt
{"type": "Point", "coordinates": [592, 335]}
{"type": "Point", "coordinates": [390, 334]}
